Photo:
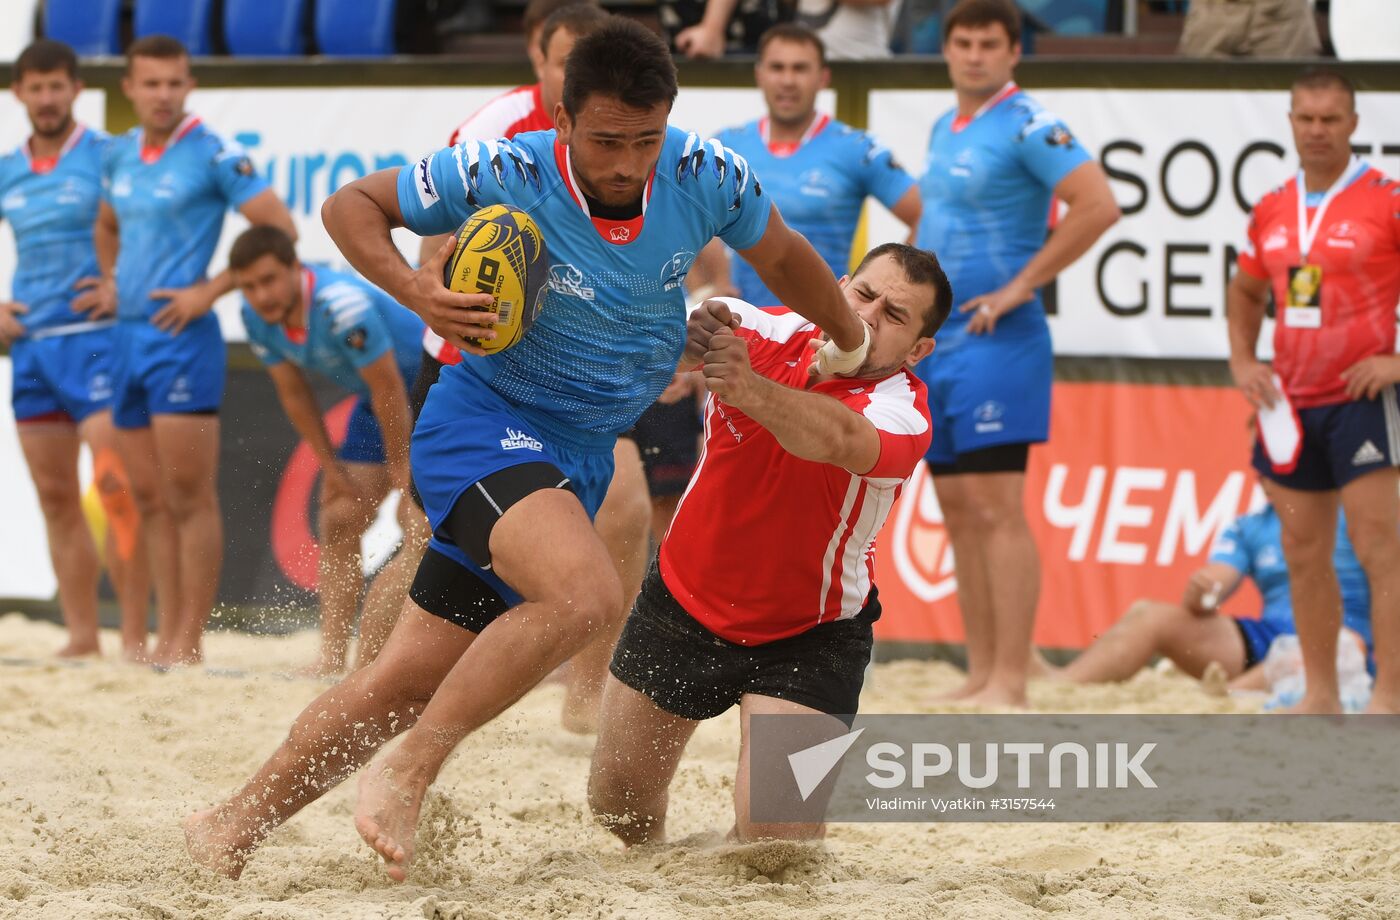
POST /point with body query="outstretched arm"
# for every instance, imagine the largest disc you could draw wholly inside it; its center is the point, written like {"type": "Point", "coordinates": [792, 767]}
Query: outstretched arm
{"type": "Point", "coordinates": [802, 281]}
{"type": "Point", "coordinates": [809, 425]}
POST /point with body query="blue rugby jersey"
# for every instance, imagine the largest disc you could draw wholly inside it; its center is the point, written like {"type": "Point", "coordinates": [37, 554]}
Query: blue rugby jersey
{"type": "Point", "coordinates": [1253, 545]}
{"type": "Point", "coordinates": [819, 188]}
{"type": "Point", "coordinates": [987, 187]}
{"type": "Point", "coordinates": [52, 209]}
{"type": "Point", "coordinates": [350, 324]}
{"type": "Point", "coordinates": [170, 204]}
{"type": "Point", "coordinates": [613, 323]}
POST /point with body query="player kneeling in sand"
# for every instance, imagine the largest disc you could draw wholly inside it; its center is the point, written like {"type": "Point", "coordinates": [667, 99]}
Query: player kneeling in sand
{"type": "Point", "coordinates": [761, 594]}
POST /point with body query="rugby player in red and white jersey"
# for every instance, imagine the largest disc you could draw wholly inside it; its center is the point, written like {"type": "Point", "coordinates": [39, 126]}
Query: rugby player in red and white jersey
{"type": "Point", "coordinates": [1328, 245]}
{"type": "Point", "coordinates": [762, 592]}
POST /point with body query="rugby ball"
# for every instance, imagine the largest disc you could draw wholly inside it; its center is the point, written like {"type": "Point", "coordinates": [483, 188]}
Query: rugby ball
{"type": "Point", "coordinates": [500, 251]}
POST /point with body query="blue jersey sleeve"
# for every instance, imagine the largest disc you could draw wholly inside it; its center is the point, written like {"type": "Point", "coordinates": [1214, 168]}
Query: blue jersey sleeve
{"type": "Point", "coordinates": [235, 175]}
{"type": "Point", "coordinates": [884, 179]}
{"type": "Point", "coordinates": [1232, 547]}
{"type": "Point", "coordinates": [443, 189]}
{"type": "Point", "coordinates": [258, 341]}
{"type": "Point", "coordinates": [357, 329]}
{"type": "Point", "coordinates": [1046, 148]}
{"type": "Point", "coordinates": [727, 188]}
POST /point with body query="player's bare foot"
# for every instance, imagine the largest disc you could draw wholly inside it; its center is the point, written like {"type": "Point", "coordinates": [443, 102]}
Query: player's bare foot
{"type": "Point", "coordinates": [995, 696]}
{"type": "Point", "coordinates": [1382, 705]}
{"type": "Point", "coordinates": [210, 843]}
{"type": "Point", "coordinates": [136, 654]}
{"type": "Point", "coordinates": [178, 658]}
{"type": "Point", "coordinates": [386, 815]}
{"type": "Point", "coordinates": [968, 688]}
{"type": "Point", "coordinates": [1315, 706]}
{"type": "Point", "coordinates": [75, 649]}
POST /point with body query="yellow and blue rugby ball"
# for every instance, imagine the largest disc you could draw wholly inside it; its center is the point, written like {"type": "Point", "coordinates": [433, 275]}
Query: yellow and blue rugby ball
{"type": "Point", "coordinates": [500, 251]}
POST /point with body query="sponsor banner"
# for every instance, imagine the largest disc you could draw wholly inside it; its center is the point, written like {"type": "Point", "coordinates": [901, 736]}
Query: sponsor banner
{"type": "Point", "coordinates": [309, 142]}
{"type": "Point", "coordinates": [1058, 768]}
{"type": "Point", "coordinates": [1185, 167]}
{"type": "Point", "coordinates": [1124, 502]}
{"type": "Point", "coordinates": [89, 109]}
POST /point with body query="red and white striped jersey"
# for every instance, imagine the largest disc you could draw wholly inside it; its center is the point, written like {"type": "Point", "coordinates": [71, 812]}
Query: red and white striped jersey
{"type": "Point", "coordinates": [766, 545]}
{"type": "Point", "coordinates": [512, 113]}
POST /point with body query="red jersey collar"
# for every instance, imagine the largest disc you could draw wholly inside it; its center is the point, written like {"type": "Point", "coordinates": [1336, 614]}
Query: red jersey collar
{"type": "Point", "coordinates": [617, 232]}
{"type": "Point", "coordinates": [788, 148]}
{"type": "Point", "coordinates": [962, 121]}
{"type": "Point", "coordinates": [152, 154]}
{"type": "Point", "coordinates": [43, 165]}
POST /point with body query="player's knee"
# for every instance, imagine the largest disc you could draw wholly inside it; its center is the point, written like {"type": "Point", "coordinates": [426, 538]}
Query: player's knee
{"type": "Point", "coordinates": [595, 603]}
{"type": "Point", "coordinates": [148, 498]}
{"type": "Point", "coordinates": [340, 519]}
{"type": "Point", "coordinates": [58, 495]}
{"type": "Point", "coordinates": [629, 812]}
{"type": "Point", "coordinates": [1307, 551]}
{"type": "Point", "coordinates": [1374, 541]}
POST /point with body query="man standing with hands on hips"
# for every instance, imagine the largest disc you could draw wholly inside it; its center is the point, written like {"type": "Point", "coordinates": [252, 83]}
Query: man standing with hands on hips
{"type": "Point", "coordinates": [1328, 245]}
{"type": "Point", "coordinates": [994, 165]}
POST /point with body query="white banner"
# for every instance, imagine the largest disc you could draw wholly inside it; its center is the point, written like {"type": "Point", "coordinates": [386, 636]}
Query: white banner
{"type": "Point", "coordinates": [309, 142]}
{"type": "Point", "coordinates": [1185, 166]}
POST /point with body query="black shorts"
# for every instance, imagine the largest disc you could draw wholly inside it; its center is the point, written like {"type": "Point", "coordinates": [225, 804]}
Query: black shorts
{"type": "Point", "coordinates": [1341, 442]}
{"type": "Point", "coordinates": [1003, 458]}
{"type": "Point", "coordinates": [690, 672]}
{"type": "Point", "coordinates": [429, 369]}
{"type": "Point", "coordinates": [668, 438]}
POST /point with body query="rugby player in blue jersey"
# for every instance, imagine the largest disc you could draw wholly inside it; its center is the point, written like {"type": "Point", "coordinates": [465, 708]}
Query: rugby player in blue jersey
{"type": "Point", "coordinates": [59, 329]}
{"type": "Point", "coordinates": [995, 163]}
{"type": "Point", "coordinates": [818, 170]}
{"type": "Point", "coordinates": [513, 451]}
{"type": "Point", "coordinates": [167, 185]}
{"type": "Point", "coordinates": [310, 319]}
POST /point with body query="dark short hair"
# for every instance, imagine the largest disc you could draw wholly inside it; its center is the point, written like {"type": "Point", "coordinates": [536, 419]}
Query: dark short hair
{"type": "Point", "coordinates": [160, 47]}
{"type": "Point", "coordinates": [537, 11]}
{"type": "Point", "coordinates": [578, 20]}
{"type": "Point", "coordinates": [258, 241]}
{"type": "Point", "coordinates": [792, 32]}
{"type": "Point", "coordinates": [921, 267]}
{"type": "Point", "coordinates": [623, 60]}
{"type": "Point", "coordinates": [974, 14]}
{"type": "Point", "coordinates": [46, 56]}
{"type": "Point", "coordinates": [1326, 78]}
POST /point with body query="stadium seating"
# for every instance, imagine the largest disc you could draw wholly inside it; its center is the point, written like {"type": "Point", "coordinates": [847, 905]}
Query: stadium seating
{"type": "Point", "coordinates": [90, 26]}
{"type": "Point", "coordinates": [355, 28]}
{"type": "Point", "coordinates": [187, 20]}
{"type": "Point", "coordinates": [265, 28]}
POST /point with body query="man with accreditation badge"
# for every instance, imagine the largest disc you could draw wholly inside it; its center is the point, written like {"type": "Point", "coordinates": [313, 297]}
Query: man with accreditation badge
{"type": "Point", "coordinates": [1328, 245]}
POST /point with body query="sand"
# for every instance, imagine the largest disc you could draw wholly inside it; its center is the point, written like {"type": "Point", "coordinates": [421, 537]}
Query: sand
{"type": "Point", "coordinates": [99, 762]}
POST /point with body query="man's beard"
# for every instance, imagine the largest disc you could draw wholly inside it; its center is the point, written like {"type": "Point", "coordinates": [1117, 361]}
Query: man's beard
{"type": "Point", "coordinates": [63, 125]}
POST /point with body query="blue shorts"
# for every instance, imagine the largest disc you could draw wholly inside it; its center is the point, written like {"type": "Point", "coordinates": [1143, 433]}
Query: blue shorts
{"type": "Point", "coordinates": [1341, 442]}
{"type": "Point", "coordinates": [988, 391]}
{"type": "Point", "coordinates": [364, 440]}
{"type": "Point", "coordinates": [156, 373]}
{"type": "Point", "coordinates": [467, 432]}
{"type": "Point", "coordinates": [64, 375]}
{"type": "Point", "coordinates": [1258, 635]}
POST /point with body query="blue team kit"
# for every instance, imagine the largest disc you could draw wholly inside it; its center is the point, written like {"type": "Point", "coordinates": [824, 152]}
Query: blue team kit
{"type": "Point", "coordinates": [61, 364]}
{"type": "Point", "coordinates": [820, 189]}
{"type": "Point", "coordinates": [613, 323]}
{"type": "Point", "coordinates": [1253, 546]}
{"type": "Point", "coordinates": [170, 207]}
{"type": "Point", "coordinates": [987, 190]}
{"type": "Point", "coordinates": [350, 324]}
